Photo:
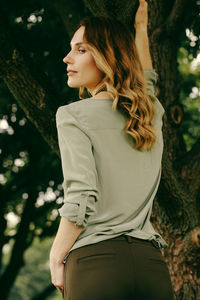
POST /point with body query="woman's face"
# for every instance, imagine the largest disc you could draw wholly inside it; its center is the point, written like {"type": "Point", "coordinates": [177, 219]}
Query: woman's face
{"type": "Point", "coordinates": [81, 62]}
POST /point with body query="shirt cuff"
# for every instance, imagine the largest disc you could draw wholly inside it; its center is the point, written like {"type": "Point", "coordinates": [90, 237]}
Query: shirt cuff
{"type": "Point", "coordinates": [151, 77]}
{"type": "Point", "coordinates": [79, 208]}
{"type": "Point", "coordinates": [151, 73]}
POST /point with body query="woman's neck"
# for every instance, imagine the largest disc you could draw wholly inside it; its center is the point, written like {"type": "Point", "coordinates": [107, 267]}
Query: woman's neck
{"type": "Point", "coordinates": [103, 95]}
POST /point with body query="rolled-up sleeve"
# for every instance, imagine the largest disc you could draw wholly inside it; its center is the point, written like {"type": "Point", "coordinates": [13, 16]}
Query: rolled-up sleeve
{"type": "Point", "coordinates": [78, 167]}
{"type": "Point", "coordinates": [151, 79]}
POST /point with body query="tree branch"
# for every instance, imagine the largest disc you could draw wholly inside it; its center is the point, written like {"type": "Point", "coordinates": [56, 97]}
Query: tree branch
{"type": "Point", "coordinates": [122, 10]}
{"type": "Point", "coordinates": [70, 13]}
{"type": "Point", "coordinates": [177, 18]}
{"type": "Point", "coordinates": [31, 89]}
{"type": "Point", "coordinates": [3, 222]}
{"type": "Point", "coordinates": [45, 293]}
{"type": "Point", "coordinates": [21, 243]}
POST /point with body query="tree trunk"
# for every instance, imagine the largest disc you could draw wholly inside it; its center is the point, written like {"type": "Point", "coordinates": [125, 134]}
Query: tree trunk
{"type": "Point", "coordinates": [23, 240]}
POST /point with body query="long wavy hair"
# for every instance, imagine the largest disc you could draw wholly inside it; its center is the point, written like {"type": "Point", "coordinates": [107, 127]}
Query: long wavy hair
{"type": "Point", "coordinates": [114, 51]}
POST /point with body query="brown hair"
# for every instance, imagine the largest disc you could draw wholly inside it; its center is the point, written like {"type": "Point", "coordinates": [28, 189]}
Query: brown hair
{"type": "Point", "coordinates": [113, 48]}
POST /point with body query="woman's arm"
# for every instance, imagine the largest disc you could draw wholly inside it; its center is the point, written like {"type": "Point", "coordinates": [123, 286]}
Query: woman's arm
{"type": "Point", "coordinates": [142, 44]}
{"type": "Point", "coordinates": [66, 235]}
{"type": "Point", "coordinates": [141, 37]}
{"type": "Point", "coordinates": [79, 186]}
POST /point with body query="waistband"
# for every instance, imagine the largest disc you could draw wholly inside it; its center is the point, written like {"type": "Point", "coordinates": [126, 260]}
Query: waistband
{"type": "Point", "coordinates": [131, 239]}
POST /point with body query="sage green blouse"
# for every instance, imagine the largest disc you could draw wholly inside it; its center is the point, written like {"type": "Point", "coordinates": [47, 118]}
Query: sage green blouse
{"type": "Point", "coordinates": [109, 186]}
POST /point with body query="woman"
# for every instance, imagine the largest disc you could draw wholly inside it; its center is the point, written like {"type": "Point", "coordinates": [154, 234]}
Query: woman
{"type": "Point", "coordinates": [111, 149]}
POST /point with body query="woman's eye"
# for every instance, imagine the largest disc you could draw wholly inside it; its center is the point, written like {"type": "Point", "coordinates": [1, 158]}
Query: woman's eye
{"type": "Point", "coordinates": [81, 50]}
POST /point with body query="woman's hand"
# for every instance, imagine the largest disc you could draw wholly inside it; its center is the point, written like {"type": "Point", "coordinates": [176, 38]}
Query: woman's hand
{"type": "Point", "coordinates": [141, 17]}
{"type": "Point", "coordinates": [141, 35]}
{"type": "Point", "coordinates": [57, 274]}
{"type": "Point", "coordinates": [66, 236]}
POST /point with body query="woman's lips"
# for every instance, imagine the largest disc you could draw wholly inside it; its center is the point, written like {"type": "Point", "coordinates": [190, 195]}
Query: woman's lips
{"type": "Point", "coordinates": [69, 73]}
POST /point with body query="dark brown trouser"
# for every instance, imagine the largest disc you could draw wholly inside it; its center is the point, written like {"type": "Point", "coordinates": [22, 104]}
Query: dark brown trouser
{"type": "Point", "coordinates": [121, 268]}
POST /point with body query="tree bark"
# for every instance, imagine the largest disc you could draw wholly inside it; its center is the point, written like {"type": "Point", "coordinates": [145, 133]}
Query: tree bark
{"type": "Point", "coordinates": [22, 241]}
{"type": "Point", "coordinates": [28, 85]}
{"type": "Point", "coordinates": [70, 14]}
{"type": "Point", "coordinates": [45, 293]}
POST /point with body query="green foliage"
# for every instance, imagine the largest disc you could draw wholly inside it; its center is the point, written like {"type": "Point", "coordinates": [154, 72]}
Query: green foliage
{"type": "Point", "coordinates": [189, 96]}
{"type": "Point", "coordinates": [35, 275]}
{"type": "Point", "coordinates": [29, 171]}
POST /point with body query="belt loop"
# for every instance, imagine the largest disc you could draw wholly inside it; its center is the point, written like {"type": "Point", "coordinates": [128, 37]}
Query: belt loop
{"type": "Point", "coordinates": [155, 243]}
{"type": "Point", "coordinates": [126, 237]}
{"type": "Point", "coordinates": [129, 239]}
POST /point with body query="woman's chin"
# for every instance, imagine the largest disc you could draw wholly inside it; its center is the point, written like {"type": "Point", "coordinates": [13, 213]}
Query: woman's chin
{"type": "Point", "coordinates": [73, 85]}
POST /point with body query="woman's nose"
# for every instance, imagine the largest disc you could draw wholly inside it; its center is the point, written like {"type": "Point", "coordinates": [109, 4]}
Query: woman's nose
{"type": "Point", "coordinates": [67, 59]}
